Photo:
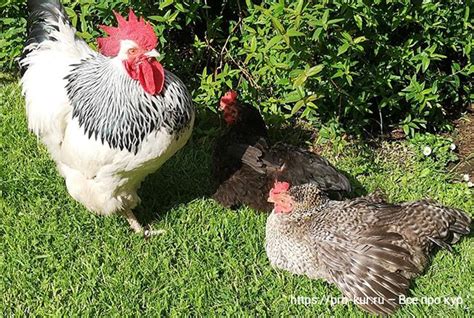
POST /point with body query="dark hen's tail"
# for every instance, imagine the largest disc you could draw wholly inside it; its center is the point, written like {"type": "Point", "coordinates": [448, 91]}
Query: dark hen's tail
{"type": "Point", "coordinates": [43, 19]}
{"type": "Point", "coordinates": [302, 166]}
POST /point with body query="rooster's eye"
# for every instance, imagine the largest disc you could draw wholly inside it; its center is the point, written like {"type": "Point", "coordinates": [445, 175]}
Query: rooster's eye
{"type": "Point", "coordinates": [132, 51]}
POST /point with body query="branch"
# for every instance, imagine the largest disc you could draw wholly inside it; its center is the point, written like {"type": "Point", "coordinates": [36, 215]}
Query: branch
{"type": "Point", "coordinates": [224, 51]}
{"type": "Point", "coordinates": [224, 47]}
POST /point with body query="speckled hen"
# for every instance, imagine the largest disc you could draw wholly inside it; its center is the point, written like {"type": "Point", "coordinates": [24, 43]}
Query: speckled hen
{"type": "Point", "coordinates": [368, 248]}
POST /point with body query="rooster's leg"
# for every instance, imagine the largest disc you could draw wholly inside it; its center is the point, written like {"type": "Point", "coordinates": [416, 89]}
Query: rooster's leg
{"type": "Point", "coordinates": [136, 226]}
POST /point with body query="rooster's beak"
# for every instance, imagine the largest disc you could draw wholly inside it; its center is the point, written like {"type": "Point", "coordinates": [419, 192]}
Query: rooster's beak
{"type": "Point", "coordinates": [152, 53]}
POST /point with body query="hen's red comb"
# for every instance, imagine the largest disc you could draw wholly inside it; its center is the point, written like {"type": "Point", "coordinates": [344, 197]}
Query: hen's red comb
{"type": "Point", "coordinates": [280, 187]}
{"type": "Point", "coordinates": [137, 30]}
{"type": "Point", "coordinates": [229, 98]}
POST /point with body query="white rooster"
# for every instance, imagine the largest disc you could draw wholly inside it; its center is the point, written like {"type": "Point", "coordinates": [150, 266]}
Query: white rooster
{"type": "Point", "coordinates": [108, 118]}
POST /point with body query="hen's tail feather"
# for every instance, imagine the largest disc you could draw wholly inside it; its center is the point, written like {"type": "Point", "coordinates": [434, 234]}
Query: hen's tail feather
{"type": "Point", "coordinates": [453, 223]}
{"type": "Point", "coordinates": [462, 223]}
{"type": "Point", "coordinates": [42, 21]}
{"type": "Point", "coordinates": [441, 244]}
{"type": "Point", "coordinates": [248, 155]}
{"type": "Point", "coordinates": [460, 226]}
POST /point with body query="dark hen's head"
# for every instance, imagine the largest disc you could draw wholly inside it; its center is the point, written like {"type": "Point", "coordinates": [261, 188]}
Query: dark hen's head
{"type": "Point", "coordinates": [241, 116]}
{"type": "Point", "coordinates": [230, 107]}
{"type": "Point", "coordinates": [299, 200]}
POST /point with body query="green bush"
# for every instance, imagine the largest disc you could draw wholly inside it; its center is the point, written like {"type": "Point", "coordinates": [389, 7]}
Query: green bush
{"type": "Point", "coordinates": [344, 66]}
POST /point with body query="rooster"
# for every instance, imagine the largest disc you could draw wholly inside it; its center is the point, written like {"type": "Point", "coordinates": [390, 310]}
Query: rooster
{"type": "Point", "coordinates": [369, 248]}
{"type": "Point", "coordinates": [245, 166]}
{"type": "Point", "coordinates": [108, 118]}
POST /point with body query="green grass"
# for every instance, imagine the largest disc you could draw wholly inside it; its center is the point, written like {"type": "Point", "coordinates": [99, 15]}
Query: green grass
{"type": "Point", "coordinates": [59, 259]}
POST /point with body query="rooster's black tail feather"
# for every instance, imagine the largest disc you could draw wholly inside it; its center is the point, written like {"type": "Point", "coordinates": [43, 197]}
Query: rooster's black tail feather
{"type": "Point", "coordinates": [43, 19]}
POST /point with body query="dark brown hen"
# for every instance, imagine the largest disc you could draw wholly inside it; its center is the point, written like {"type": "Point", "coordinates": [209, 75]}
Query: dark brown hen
{"type": "Point", "coordinates": [370, 249]}
{"type": "Point", "coordinates": [245, 127]}
{"type": "Point", "coordinates": [245, 166]}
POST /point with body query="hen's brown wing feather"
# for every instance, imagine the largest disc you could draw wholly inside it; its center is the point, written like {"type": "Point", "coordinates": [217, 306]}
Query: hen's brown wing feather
{"type": "Point", "coordinates": [368, 268]}
{"type": "Point", "coordinates": [245, 186]}
{"type": "Point", "coordinates": [372, 249]}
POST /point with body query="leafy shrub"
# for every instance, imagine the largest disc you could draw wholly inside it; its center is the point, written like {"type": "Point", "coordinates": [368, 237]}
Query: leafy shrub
{"type": "Point", "coordinates": [344, 66]}
{"type": "Point", "coordinates": [12, 33]}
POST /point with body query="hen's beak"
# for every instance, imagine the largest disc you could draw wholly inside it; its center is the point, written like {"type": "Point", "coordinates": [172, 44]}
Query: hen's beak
{"type": "Point", "coordinates": [152, 53]}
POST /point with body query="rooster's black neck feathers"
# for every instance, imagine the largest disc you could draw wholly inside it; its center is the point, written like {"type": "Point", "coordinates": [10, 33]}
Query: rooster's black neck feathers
{"type": "Point", "coordinates": [114, 108]}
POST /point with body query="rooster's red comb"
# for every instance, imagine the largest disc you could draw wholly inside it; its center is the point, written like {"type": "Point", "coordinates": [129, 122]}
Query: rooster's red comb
{"type": "Point", "coordinates": [137, 30]}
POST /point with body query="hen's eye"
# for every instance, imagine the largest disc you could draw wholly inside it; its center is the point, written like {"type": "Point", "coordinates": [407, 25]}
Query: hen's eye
{"type": "Point", "coordinates": [132, 51]}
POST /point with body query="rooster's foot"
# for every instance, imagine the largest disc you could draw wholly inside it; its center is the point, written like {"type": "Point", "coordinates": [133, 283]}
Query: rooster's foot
{"type": "Point", "coordinates": [149, 232]}
{"type": "Point", "coordinates": [137, 228]}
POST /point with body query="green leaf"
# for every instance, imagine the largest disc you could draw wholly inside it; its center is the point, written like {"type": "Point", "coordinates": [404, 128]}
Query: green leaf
{"type": "Point", "coordinates": [297, 107]}
{"type": "Point", "coordinates": [314, 70]}
{"type": "Point", "coordinates": [325, 17]}
{"type": "Point", "coordinates": [406, 129]}
{"type": "Point", "coordinates": [334, 21]}
{"type": "Point", "coordinates": [360, 39]}
{"type": "Point", "coordinates": [316, 33]}
{"type": "Point", "coordinates": [277, 24]}
{"type": "Point", "coordinates": [358, 21]}
{"type": "Point", "coordinates": [300, 80]}
{"type": "Point", "coordinates": [293, 32]}
{"type": "Point", "coordinates": [172, 17]}
{"type": "Point", "coordinates": [296, 72]}
{"type": "Point", "coordinates": [425, 61]}
{"type": "Point", "coordinates": [292, 97]}
{"type": "Point", "coordinates": [253, 44]}
{"type": "Point", "coordinates": [343, 48]}
{"type": "Point", "coordinates": [180, 7]}
{"type": "Point", "coordinates": [72, 15]}
{"type": "Point", "coordinates": [299, 7]}
{"type": "Point", "coordinates": [165, 3]}
{"type": "Point", "coordinates": [276, 39]}
{"type": "Point", "coordinates": [347, 36]}
{"type": "Point", "coordinates": [282, 65]}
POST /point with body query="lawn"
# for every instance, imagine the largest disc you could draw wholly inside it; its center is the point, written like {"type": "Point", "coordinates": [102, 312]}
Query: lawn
{"type": "Point", "coordinates": [58, 259]}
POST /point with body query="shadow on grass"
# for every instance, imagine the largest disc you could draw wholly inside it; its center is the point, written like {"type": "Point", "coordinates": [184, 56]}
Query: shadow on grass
{"type": "Point", "coordinates": [184, 178]}
{"type": "Point", "coordinates": [357, 188]}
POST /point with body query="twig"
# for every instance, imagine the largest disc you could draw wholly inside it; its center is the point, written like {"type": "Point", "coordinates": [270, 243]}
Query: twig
{"type": "Point", "coordinates": [340, 90]}
{"type": "Point", "coordinates": [224, 47]}
{"type": "Point", "coordinates": [246, 73]}
{"type": "Point", "coordinates": [242, 68]}
{"type": "Point", "coordinates": [381, 120]}
{"type": "Point", "coordinates": [222, 8]}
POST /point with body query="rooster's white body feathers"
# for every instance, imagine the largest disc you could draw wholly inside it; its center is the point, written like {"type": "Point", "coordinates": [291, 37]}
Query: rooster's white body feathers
{"type": "Point", "coordinates": [102, 170]}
